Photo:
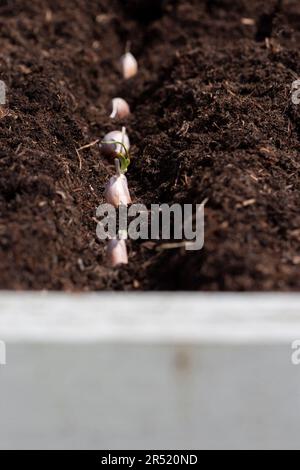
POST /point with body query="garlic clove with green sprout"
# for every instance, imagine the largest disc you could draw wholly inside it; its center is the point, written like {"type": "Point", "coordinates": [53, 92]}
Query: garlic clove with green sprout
{"type": "Point", "coordinates": [129, 65]}
{"type": "Point", "coordinates": [111, 145]}
{"type": "Point", "coordinates": [117, 252]}
{"type": "Point", "coordinates": [120, 109]}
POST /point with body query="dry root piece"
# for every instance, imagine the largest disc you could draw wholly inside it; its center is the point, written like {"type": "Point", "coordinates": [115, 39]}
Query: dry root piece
{"type": "Point", "coordinates": [120, 109]}
{"type": "Point", "coordinates": [117, 252]}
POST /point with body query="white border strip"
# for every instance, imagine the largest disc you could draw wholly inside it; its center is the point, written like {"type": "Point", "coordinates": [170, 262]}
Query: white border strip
{"type": "Point", "coordinates": [151, 318]}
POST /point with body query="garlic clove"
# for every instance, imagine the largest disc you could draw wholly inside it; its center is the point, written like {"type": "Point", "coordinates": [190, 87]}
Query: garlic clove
{"type": "Point", "coordinates": [117, 252]}
{"type": "Point", "coordinates": [126, 192]}
{"type": "Point", "coordinates": [129, 65]}
{"type": "Point", "coordinates": [112, 150]}
{"type": "Point", "coordinates": [117, 192]}
{"type": "Point", "coordinates": [120, 109]}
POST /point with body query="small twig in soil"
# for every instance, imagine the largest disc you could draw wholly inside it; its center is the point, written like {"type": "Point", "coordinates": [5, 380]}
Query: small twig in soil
{"type": "Point", "coordinates": [84, 148]}
{"type": "Point", "coordinates": [62, 195]}
{"type": "Point", "coordinates": [89, 145]}
{"type": "Point", "coordinates": [171, 246]}
{"type": "Point", "coordinates": [80, 159]}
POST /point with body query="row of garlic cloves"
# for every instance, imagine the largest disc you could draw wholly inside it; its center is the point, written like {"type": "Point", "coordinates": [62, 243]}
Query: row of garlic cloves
{"type": "Point", "coordinates": [117, 192]}
{"type": "Point", "coordinates": [120, 107]}
{"type": "Point", "coordinates": [116, 144]}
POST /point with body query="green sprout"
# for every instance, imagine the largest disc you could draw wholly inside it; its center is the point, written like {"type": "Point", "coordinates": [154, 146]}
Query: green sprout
{"type": "Point", "coordinates": [124, 157]}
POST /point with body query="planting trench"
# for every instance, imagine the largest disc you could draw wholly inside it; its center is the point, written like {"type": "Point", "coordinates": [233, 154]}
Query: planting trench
{"type": "Point", "coordinates": [212, 117]}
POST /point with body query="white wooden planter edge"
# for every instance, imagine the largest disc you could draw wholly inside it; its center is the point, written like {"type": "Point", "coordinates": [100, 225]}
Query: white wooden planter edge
{"type": "Point", "coordinates": [159, 317]}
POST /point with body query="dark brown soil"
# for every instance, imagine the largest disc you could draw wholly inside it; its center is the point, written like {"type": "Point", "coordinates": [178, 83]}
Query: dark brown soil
{"type": "Point", "coordinates": [212, 118]}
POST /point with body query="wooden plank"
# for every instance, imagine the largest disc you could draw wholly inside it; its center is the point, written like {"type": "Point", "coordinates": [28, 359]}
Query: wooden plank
{"type": "Point", "coordinates": [150, 317]}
